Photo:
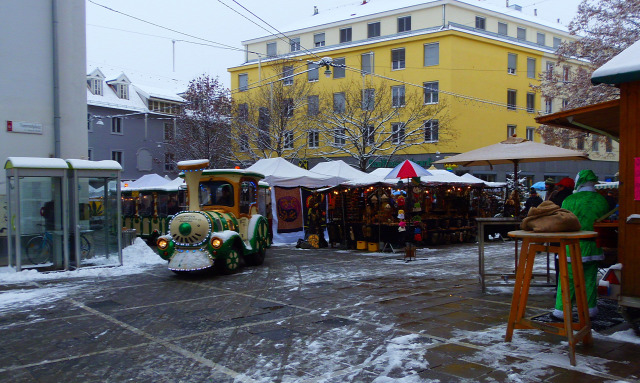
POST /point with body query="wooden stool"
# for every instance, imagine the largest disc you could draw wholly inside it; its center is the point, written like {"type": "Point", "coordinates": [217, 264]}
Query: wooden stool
{"type": "Point", "coordinates": [409, 252]}
{"type": "Point", "coordinates": [531, 244]}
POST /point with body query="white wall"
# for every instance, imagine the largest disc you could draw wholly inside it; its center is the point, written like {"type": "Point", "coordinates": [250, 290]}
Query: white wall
{"type": "Point", "coordinates": [26, 78]}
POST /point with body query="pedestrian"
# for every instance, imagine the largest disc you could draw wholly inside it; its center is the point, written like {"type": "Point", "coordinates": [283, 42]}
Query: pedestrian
{"type": "Point", "coordinates": [588, 205]}
{"type": "Point", "coordinates": [611, 200]}
{"type": "Point", "coordinates": [509, 209]}
{"type": "Point", "coordinates": [548, 188]}
{"type": "Point", "coordinates": [533, 201]}
{"type": "Point", "coordinates": [563, 189]}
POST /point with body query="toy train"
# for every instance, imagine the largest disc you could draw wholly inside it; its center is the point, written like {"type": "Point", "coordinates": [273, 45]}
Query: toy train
{"type": "Point", "coordinates": [223, 227]}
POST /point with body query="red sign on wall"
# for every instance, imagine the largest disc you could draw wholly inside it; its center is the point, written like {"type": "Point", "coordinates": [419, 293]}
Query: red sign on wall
{"type": "Point", "coordinates": [636, 179]}
{"type": "Point", "coordinates": [9, 126]}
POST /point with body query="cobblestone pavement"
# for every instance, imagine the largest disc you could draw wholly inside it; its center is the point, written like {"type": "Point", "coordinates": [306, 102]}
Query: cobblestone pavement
{"type": "Point", "coordinates": [304, 316]}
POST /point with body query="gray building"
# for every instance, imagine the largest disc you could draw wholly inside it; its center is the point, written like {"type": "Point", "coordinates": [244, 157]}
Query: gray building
{"type": "Point", "coordinates": [130, 121]}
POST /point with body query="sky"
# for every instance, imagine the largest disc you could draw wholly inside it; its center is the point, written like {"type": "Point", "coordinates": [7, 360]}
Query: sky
{"type": "Point", "coordinates": [133, 46]}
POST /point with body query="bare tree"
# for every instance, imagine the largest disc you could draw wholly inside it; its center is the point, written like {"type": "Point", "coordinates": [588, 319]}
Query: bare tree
{"type": "Point", "coordinates": [605, 28]}
{"type": "Point", "coordinates": [378, 119]}
{"type": "Point", "coordinates": [270, 118]}
{"type": "Point", "coordinates": [203, 123]}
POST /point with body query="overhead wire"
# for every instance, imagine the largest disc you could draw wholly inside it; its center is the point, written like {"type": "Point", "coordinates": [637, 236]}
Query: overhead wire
{"type": "Point", "coordinates": [169, 29]}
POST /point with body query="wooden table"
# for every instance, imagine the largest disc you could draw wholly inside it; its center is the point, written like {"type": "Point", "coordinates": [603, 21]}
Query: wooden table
{"type": "Point", "coordinates": [533, 243]}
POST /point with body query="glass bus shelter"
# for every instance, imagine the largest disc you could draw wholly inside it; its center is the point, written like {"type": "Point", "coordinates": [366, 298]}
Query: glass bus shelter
{"type": "Point", "coordinates": [63, 214]}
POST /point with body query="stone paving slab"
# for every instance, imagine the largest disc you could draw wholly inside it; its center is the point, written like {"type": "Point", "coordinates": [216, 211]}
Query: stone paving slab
{"type": "Point", "coordinates": [305, 316]}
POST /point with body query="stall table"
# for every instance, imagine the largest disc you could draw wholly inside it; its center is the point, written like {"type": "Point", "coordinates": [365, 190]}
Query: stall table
{"type": "Point", "coordinates": [532, 243]}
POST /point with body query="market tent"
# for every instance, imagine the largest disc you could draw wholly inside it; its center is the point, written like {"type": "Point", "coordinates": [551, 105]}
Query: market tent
{"type": "Point", "coordinates": [408, 169]}
{"type": "Point", "coordinates": [280, 172]}
{"type": "Point", "coordinates": [146, 181]}
{"type": "Point", "coordinates": [338, 168]}
{"type": "Point", "coordinates": [446, 177]}
{"type": "Point", "coordinates": [471, 177]}
{"type": "Point", "coordinates": [174, 184]}
{"type": "Point", "coordinates": [375, 177]}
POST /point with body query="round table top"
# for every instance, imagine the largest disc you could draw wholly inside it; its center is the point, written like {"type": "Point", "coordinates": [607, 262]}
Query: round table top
{"type": "Point", "coordinates": [554, 235]}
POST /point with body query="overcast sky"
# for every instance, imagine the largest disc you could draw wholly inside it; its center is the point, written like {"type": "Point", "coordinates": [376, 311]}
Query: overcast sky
{"type": "Point", "coordinates": [131, 45]}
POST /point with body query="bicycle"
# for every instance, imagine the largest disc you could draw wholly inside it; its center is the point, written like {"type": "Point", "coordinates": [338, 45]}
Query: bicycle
{"type": "Point", "coordinates": [40, 248]}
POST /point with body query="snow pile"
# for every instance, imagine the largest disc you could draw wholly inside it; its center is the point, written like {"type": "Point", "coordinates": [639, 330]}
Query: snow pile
{"type": "Point", "coordinates": [29, 298]}
{"type": "Point", "coordinates": [136, 258]}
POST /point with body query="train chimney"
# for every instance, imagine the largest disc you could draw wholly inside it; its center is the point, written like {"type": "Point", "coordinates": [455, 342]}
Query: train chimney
{"type": "Point", "coordinates": [192, 172]}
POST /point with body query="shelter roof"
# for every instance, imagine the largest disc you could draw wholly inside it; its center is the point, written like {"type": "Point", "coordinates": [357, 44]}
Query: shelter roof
{"type": "Point", "coordinates": [280, 172]}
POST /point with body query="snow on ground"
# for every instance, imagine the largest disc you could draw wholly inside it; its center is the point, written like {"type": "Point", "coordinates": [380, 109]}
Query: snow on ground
{"type": "Point", "coordinates": [537, 355]}
{"type": "Point", "coordinates": [136, 259]}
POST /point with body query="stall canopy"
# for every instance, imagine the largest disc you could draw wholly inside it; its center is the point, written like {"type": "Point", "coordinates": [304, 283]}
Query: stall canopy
{"type": "Point", "coordinates": [602, 118]}
{"type": "Point", "coordinates": [437, 176]}
{"type": "Point", "coordinates": [146, 181]}
{"type": "Point", "coordinates": [338, 168]}
{"type": "Point", "coordinates": [608, 185]}
{"type": "Point", "coordinates": [471, 177]}
{"type": "Point", "coordinates": [280, 172]}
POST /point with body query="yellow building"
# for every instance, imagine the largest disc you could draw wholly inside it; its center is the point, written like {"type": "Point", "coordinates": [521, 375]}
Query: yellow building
{"type": "Point", "coordinates": [476, 59]}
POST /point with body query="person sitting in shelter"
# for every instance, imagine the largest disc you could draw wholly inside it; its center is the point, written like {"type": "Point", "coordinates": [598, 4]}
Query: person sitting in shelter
{"type": "Point", "coordinates": [588, 205]}
{"type": "Point", "coordinates": [533, 201]}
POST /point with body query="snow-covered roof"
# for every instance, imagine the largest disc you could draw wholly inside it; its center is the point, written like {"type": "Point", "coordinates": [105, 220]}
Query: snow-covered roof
{"type": "Point", "coordinates": [471, 177]}
{"type": "Point", "coordinates": [280, 172]}
{"type": "Point", "coordinates": [624, 67]}
{"type": "Point", "coordinates": [145, 85]}
{"type": "Point", "coordinates": [147, 181]}
{"type": "Point", "coordinates": [338, 168]}
{"type": "Point", "coordinates": [338, 11]}
{"type": "Point", "coordinates": [35, 163]}
{"type": "Point", "coordinates": [97, 165]}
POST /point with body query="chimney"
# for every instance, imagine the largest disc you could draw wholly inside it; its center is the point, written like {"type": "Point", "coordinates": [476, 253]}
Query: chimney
{"type": "Point", "coordinates": [364, 2]}
{"type": "Point", "coordinates": [315, 10]}
{"type": "Point", "coordinates": [535, 12]}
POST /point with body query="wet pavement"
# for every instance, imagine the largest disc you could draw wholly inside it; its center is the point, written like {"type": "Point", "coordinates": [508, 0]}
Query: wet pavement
{"type": "Point", "coordinates": [324, 315]}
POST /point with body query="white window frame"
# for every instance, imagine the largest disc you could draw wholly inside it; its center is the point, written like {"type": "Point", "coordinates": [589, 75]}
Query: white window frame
{"type": "Point", "coordinates": [368, 99]}
{"type": "Point", "coordinates": [431, 60]}
{"type": "Point", "coordinates": [123, 91]}
{"type": "Point", "coordinates": [431, 96]}
{"type": "Point", "coordinates": [169, 162]}
{"type": "Point", "coordinates": [512, 63]}
{"type": "Point", "coordinates": [481, 23]}
{"type": "Point", "coordinates": [287, 75]}
{"type": "Point", "coordinates": [531, 67]}
{"type": "Point", "coordinates": [398, 96]}
{"type": "Point", "coordinates": [369, 133]}
{"type": "Point", "coordinates": [287, 142]}
{"type": "Point", "coordinates": [548, 105]}
{"type": "Point", "coordinates": [339, 108]}
{"type": "Point", "coordinates": [541, 37]}
{"type": "Point", "coordinates": [294, 44]}
{"type": "Point", "coordinates": [339, 137]}
{"type": "Point", "coordinates": [243, 82]}
{"type": "Point", "coordinates": [118, 153]}
{"type": "Point", "coordinates": [431, 126]}
{"type": "Point", "coordinates": [376, 28]}
{"type": "Point", "coordinates": [313, 138]}
{"type": "Point", "coordinates": [346, 35]}
{"type": "Point", "coordinates": [319, 39]}
{"type": "Point", "coordinates": [402, 24]}
{"type": "Point", "coordinates": [316, 110]}
{"type": "Point", "coordinates": [531, 133]}
{"type": "Point", "coordinates": [398, 133]}
{"type": "Point", "coordinates": [514, 105]}
{"type": "Point", "coordinates": [313, 74]}
{"type": "Point", "coordinates": [117, 125]}
{"type": "Point", "coordinates": [370, 68]}
{"type": "Point", "coordinates": [399, 64]}
{"type": "Point", "coordinates": [506, 28]}
{"type": "Point", "coordinates": [274, 47]}
{"type": "Point", "coordinates": [531, 102]}
{"type": "Point", "coordinates": [521, 34]}
{"type": "Point", "coordinates": [511, 130]}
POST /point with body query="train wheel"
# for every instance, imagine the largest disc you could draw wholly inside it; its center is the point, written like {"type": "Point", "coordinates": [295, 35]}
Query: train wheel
{"type": "Point", "coordinates": [231, 263]}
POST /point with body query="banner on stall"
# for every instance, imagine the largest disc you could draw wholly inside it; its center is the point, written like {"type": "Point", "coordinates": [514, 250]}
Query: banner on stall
{"type": "Point", "coordinates": [289, 209]}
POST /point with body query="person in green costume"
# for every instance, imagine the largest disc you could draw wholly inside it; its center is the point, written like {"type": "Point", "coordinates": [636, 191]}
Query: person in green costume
{"type": "Point", "coordinates": [588, 206]}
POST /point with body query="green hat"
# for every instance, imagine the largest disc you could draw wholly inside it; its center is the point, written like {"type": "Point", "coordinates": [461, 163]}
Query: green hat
{"type": "Point", "coordinates": [550, 181]}
{"type": "Point", "coordinates": [584, 176]}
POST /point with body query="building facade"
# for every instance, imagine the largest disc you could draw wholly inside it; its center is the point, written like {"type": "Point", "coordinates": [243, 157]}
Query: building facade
{"type": "Point", "coordinates": [43, 103]}
{"type": "Point", "coordinates": [131, 122]}
{"type": "Point", "coordinates": [478, 60]}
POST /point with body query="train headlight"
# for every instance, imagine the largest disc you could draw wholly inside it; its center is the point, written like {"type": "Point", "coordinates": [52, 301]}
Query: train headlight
{"type": "Point", "coordinates": [216, 243]}
{"type": "Point", "coordinates": [162, 243]}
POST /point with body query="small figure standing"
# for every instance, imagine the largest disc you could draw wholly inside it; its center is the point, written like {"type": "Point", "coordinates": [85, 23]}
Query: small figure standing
{"type": "Point", "coordinates": [548, 187]}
